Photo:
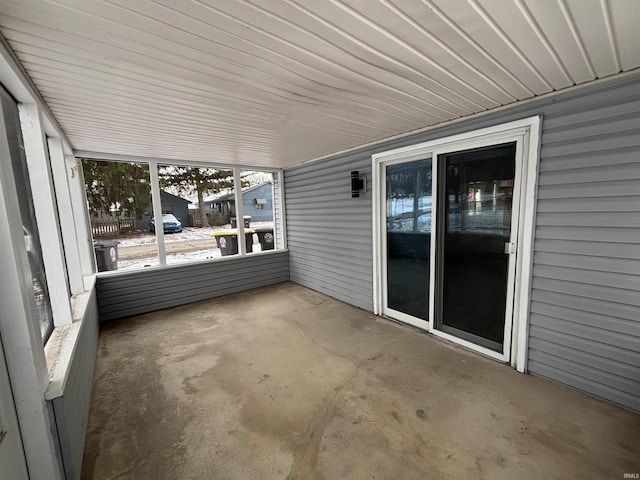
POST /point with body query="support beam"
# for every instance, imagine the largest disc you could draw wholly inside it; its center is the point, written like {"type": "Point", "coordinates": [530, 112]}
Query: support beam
{"type": "Point", "coordinates": [65, 211]}
{"type": "Point", "coordinates": [44, 202]}
{"type": "Point", "coordinates": [237, 184]}
{"type": "Point", "coordinates": [157, 211]}
{"type": "Point", "coordinates": [78, 195]}
{"type": "Point", "coordinates": [282, 241]}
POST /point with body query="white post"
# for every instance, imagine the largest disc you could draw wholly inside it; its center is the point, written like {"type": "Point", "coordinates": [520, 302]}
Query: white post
{"type": "Point", "coordinates": [65, 211]}
{"type": "Point", "coordinates": [21, 331]}
{"type": "Point", "coordinates": [157, 211]}
{"type": "Point", "coordinates": [283, 215]}
{"type": "Point", "coordinates": [78, 196]}
{"type": "Point", "coordinates": [44, 202]}
{"type": "Point", "coordinates": [237, 185]}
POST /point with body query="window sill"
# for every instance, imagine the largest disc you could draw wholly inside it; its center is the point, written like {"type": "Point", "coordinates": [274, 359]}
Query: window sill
{"type": "Point", "coordinates": [62, 343]}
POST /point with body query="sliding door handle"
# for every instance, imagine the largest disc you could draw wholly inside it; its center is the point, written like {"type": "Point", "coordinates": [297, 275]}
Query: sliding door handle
{"type": "Point", "coordinates": [509, 248]}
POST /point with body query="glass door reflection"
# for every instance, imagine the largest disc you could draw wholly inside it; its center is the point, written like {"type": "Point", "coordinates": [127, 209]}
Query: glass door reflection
{"type": "Point", "coordinates": [475, 203]}
{"type": "Point", "coordinates": [408, 220]}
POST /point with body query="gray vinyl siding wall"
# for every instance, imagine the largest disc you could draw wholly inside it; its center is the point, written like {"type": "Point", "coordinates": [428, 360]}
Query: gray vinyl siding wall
{"type": "Point", "coordinates": [132, 293]}
{"type": "Point", "coordinates": [330, 232]}
{"type": "Point", "coordinates": [585, 299]}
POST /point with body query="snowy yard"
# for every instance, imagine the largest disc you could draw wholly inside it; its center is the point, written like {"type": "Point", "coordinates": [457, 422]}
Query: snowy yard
{"type": "Point", "coordinates": [187, 234]}
{"type": "Point", "coordinates": [191, 245]}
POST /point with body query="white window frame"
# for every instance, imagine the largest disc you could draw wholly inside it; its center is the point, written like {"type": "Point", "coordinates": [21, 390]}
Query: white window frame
{"type": "Point", "coordinates": [527, 130]}
{"type": "Point", "coordinates": [153, 164]}
{"type": "Point", "coordinates": [46, 211]}
{"type": "Point", "coordinates": [23, 347]}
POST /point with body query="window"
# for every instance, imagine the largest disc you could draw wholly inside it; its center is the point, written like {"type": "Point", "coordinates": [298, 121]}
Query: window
{"type": "Point", "coordinates": [119, 195]}
{"type": "Point", "coordinates": [199, 214]}
{"type": "Point", "coordinates": [192, 193]}
{"type": "Point", "coordinates": [257, 199]}
{"type": "Point", "coordinates": [29, 227]}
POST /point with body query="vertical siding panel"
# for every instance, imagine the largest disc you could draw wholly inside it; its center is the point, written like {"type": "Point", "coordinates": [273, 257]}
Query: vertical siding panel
{"type": "Point", "coordinates": [588, 200]}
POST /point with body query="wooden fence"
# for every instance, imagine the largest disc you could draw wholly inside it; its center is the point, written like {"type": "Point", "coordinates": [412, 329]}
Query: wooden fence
{"type": "Point", "coordinates": [216, 219]}
{"type": "Point", "coordinates": [112, 227]}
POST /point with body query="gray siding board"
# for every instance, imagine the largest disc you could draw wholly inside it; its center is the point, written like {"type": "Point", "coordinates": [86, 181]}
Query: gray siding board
{"type": "Point", "coordinates": [601, 292]}
{"type": "Point", "coordinates": [178, 299]}
{"type": "Point", "coordinates": [355, 251]}
{"type": "Point", "coordinates": [587, 262]}
{"type": "Point", "coordinates": [604, 173]}
{"type": "Point", "coordinates": [183, 277]}
{"type": "Point", "coordinates": [336, 230]}
{"type": "Point", "coordinates": [612, 367]}
{"type": "Point", "coordinates": [614, 204]}
{"type": "Point", "coordinates": [579, 329]}
{"type": "Point", "coordinates": [613, 381]}
{"type": "Point", "coordinates": [590, 234]}
{"type": "Point", "coordinates": [592, 205]}
{"type": "Point", "coordinates": [326, 267]}
{"type": "Point", "coordinates": [588, 225]}
{"type": "Point", "coordinates": [600, 144]}
{"type": "Point", "coordinates": [149, 290]}
{"type": "Point", "coordinates": [622, 188]}
{"type": "Point", "coordinates": [596, 249]}
{"type": "Point", "coordinates": [589, 219]}
{"type": "Point", "coordinates": [113, 302]}
{"type": "Point", "coordinates": [617, 156]}
{"type": "Point", "coordinates": [587, 304]}
{"type": "Point", "coordinates": [614, 324]}
{"type": "Point", "coordinates": [622, 356]}
{"type": "Point", "coordinates": [346, 292]}
{"type": "Point", "coordinates": [560, 373]}
{"type": "Point", "coordinates": [595, 114]}
{"type": "Point", "coordinates": [614, 125]}
{"type": "Point", "coordinates": [591, 277]}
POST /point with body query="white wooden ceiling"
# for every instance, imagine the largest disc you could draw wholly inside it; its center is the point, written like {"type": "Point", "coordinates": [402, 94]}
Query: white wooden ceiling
{"type": "Point", "coordinates": [277, 82]}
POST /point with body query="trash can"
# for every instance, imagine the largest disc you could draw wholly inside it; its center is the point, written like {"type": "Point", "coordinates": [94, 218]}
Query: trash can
{"type": "Point", "coordinates": [265, 237]}
{"type": "Point", "coordinates": [106, 255]}
{"type": "Point", "coordinates": [234, 221]}
{"type": "Point", "coordinates": [227, 241]}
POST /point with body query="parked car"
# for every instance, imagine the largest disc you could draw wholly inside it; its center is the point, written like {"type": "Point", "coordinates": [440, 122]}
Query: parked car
{"type": "Point", "coordinates": [170, 224]}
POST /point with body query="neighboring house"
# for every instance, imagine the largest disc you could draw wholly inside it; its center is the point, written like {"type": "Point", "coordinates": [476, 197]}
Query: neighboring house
{"type": "Point", "coordinates": [173, 204]}
{"type": "Point", "coordinates": [257, 202]}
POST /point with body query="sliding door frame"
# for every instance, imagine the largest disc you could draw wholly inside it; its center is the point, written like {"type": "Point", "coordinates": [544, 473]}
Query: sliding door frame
{"type": "Point", "coordinates": [384, 308]}
{"type": "Point", "coordinates": [526, 133]}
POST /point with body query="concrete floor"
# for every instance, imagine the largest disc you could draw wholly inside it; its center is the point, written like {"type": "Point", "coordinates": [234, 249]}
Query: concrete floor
{"type": "Point", "coordinates": [285, 383]}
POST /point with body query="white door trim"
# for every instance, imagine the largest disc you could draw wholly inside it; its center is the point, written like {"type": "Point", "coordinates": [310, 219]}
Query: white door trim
{"type": "Point", "coordinates": [527, 132]}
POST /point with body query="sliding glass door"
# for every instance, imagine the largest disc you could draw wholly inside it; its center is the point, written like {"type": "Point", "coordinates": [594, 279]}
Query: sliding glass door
{"type": "Point", "coordinates": [453, 236]}
{"type": "Point", "coordinates": [474, 243]}
{"type": "Point", "coordinates": [408, 238]}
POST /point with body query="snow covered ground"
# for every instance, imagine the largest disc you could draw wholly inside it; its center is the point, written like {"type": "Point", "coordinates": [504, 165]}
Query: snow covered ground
{"type": "Point", "coordinates": [196, 256]}
{"type": "Point", "coordinates": [188, 233]}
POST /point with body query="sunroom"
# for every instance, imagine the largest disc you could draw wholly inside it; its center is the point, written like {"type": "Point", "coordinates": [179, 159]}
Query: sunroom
{"type": "Point", "coordinates": [400, 239]}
